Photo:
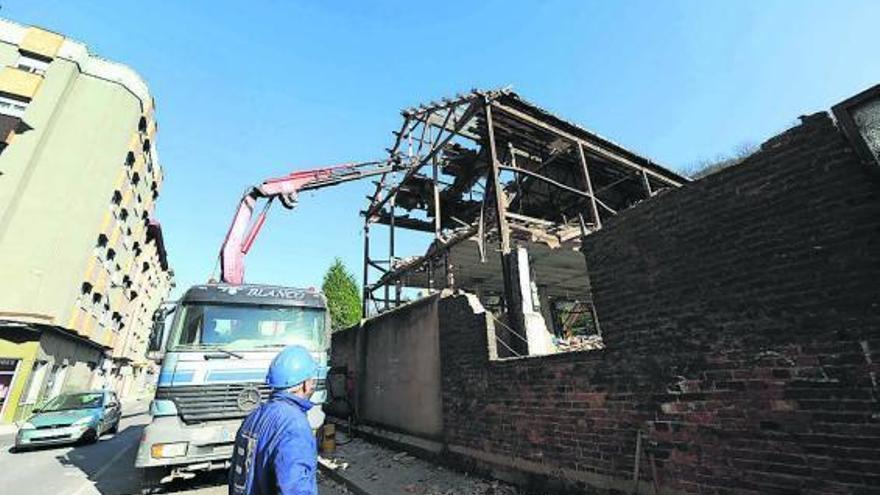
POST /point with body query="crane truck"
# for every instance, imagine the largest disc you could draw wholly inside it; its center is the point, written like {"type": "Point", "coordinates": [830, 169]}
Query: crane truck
{"type": "Point", "coordinates": [216, 342]}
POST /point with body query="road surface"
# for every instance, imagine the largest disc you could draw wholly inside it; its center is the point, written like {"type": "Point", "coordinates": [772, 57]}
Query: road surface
{"type": "Point", "coordinates": [105, 468]}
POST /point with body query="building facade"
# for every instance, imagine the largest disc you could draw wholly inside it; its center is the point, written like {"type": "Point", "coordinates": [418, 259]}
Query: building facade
{"type": "Point", "coordinates": [84, 264]}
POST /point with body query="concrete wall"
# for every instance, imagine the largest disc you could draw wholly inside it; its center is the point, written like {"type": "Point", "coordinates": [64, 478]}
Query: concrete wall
{"type": "Point", "coordinates": [397, 365]}
{"type": "Point", "coordinates": [740, 318]}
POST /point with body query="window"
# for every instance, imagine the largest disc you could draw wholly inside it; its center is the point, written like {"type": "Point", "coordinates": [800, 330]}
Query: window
{"type": "Point", "coordinates": [96, 298]}
{"type": "Point", "coordinates": [33, 63]}
{"type": "Point", "coordinates": [117, 198]}
{"type": "Point", "coordinates": [145, 267]}
{"type": "Point", "coordinates": [136, 179]}
{"type": "Point", "coordinates": [142, 124]}
{"type": "Point", "coordinates": [101, 247]}
{"type": "Point", "coordinates": [147, 146]}
{"type": "Point", "coordinates": [84, 295]}
{"type": "Point", "coordinates": [111, 254]}
{"type": "Point", "coordinates": [129, 159]}
{"type": "Point", "coordinates": [126, 282]}
{"type": "Point", "coordinates": [247, 328]}
{"type": "Point", "coordinates": [12, 107]}
{"type": "Point", "coordinates": [117, 321]}
{"type": "Point", "coordinates": [123, 215]}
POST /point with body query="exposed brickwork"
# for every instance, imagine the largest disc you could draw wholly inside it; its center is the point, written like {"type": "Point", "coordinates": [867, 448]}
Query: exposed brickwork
{"type": "Point", "coordinates": [741, 316]}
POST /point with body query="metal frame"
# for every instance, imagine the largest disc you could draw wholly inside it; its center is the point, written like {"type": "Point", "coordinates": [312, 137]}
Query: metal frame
{"type": "Point", "coordinates": [843, 113]}
{"type": "Point", "coordinates": [518, 172]}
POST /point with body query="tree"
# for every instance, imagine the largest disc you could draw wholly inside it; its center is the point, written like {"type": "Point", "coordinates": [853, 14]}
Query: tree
{"type": "Point", "coordinates": [343, 296]}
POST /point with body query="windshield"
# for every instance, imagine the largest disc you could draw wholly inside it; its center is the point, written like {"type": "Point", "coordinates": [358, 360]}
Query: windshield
{"type": "Point", "coordinates": [248, 327]}
{"type": "Point", "coordinates": [74, 401]}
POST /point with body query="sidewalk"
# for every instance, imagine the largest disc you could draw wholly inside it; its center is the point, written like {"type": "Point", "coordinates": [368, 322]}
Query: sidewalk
{"type": "Point", "coordinates": [369, 469]}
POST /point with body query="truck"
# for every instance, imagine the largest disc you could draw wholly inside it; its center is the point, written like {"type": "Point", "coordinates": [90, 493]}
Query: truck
{"type": "Point", "coordinates": [215, 343]}
{"type": "Point", "coordinates": [217, 351]}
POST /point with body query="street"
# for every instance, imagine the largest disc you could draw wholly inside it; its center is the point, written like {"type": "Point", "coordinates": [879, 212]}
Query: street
{"type": "Point", "coordinates": [105, 468]}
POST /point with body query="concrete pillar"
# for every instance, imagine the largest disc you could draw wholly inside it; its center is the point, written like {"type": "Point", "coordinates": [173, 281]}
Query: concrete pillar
{"type": "Point", "coordinates": [530, 319]}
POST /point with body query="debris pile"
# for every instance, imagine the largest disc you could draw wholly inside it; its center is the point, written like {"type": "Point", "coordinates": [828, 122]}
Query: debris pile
{"type": "Point", "coordinates": [376, 469]}
{"type": "Point", "coordinates": [579, 343]}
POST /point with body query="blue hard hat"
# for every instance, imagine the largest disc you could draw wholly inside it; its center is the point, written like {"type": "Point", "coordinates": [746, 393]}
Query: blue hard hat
{"type": "Point", "coordinates": [291, 366]}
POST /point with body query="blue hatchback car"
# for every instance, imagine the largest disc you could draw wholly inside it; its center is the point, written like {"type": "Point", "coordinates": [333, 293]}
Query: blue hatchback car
{"type": "Point", "coordinates": [70, 418]}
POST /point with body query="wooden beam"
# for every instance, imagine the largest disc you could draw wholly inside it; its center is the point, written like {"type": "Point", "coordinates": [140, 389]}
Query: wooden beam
{"type": "Point", "coordinates": [466, 117]}
{"type": "Point", "coordinates": [610, 155]}
{"type": "Point", "coordinates": [559, 185]}
{"type": "Point", "coordinates": [597, 221]}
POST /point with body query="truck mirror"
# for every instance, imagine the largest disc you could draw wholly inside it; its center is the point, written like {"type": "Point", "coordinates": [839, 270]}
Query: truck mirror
{"type": "Point", "coordinates": [157, 333]}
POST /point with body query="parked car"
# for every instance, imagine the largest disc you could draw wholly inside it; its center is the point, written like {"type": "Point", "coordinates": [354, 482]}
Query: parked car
{"type": "Point", "coordinates": [71, 418]}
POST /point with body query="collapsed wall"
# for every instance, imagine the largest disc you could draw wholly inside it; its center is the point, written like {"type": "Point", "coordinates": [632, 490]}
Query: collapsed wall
{"type": "Point", "coordinates": [739, 315]}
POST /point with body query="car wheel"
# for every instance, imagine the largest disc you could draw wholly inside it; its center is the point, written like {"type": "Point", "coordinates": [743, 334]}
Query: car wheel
{"type": "Point", "coordinates": [89, 437]}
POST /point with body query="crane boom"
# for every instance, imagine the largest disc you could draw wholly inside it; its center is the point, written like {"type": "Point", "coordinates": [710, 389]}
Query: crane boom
{"type": "Point", "coordinates": [245, 227]}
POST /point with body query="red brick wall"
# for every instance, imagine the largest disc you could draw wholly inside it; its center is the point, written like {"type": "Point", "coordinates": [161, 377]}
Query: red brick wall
{"type": "Point", "coordinates": [741, 315]}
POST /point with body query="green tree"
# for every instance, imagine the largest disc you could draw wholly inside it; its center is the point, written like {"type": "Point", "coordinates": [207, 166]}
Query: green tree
{"type": "Point", "coordinates": [343, 296]}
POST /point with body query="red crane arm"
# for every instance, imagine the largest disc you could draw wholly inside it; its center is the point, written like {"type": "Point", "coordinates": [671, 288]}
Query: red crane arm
{"type": "Point", "coordinates": [245, 227]}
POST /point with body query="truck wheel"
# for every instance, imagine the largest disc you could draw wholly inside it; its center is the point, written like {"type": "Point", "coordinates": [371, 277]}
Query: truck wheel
{"type": "Point", "coordinates": [151, 480]}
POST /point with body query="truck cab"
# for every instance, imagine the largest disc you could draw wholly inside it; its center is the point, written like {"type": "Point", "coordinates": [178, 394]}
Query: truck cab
{"type": "Point", "coordinates": [215, 354]}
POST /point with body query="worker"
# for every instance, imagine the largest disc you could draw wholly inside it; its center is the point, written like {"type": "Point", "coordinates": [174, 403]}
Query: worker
{"type": "Point", "coordinates": [275, 449]}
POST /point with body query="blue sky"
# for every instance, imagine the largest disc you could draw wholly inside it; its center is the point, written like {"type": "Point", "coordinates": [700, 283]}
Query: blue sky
{"type": "Point", "coordinates": [247, 90]}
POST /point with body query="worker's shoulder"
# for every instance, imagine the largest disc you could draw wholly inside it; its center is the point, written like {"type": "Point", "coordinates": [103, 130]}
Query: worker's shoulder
{"type": "Point", "coordinates": [284, 411]}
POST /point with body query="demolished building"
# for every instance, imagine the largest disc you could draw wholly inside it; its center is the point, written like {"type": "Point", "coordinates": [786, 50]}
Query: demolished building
{"type": "Point", "coordinates": [738, 314]}
{"type": "Point", "coordinates": [507, 190]}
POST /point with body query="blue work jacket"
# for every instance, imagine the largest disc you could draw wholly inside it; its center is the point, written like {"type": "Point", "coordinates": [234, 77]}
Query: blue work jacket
{"type": "Point", "coordinates": [275, 450]}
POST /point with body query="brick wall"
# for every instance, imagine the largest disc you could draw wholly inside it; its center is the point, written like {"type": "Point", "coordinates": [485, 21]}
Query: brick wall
{"type": "Point", "coordinates": [741, 316]}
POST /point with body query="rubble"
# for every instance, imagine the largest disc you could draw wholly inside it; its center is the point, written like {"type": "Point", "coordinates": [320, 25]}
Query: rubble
{"type": "Point", "coordinates": [372, 469]}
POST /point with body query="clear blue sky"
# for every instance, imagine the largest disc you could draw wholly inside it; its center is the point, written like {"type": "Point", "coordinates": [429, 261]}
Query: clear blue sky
{"type": "Point", "coordinates": [252, 89]}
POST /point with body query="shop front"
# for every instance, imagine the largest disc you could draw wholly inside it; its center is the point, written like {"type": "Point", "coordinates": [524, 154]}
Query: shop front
{"type": "Point", "coordinates": [18, 350]}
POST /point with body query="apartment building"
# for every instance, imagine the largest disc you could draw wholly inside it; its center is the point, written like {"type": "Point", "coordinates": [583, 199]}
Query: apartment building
{"type": "Point", "coordinates": [84, 264]}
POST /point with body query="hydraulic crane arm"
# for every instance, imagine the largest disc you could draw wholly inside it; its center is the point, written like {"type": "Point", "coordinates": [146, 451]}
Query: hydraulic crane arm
{"type": "Point", "coordinates": [245, 227]}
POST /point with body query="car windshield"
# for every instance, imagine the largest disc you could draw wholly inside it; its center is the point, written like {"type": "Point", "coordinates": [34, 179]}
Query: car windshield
{"type": "Point", "coordinates": [74, 401]}
{"type": "Point", "coordinates": [248, 327]}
